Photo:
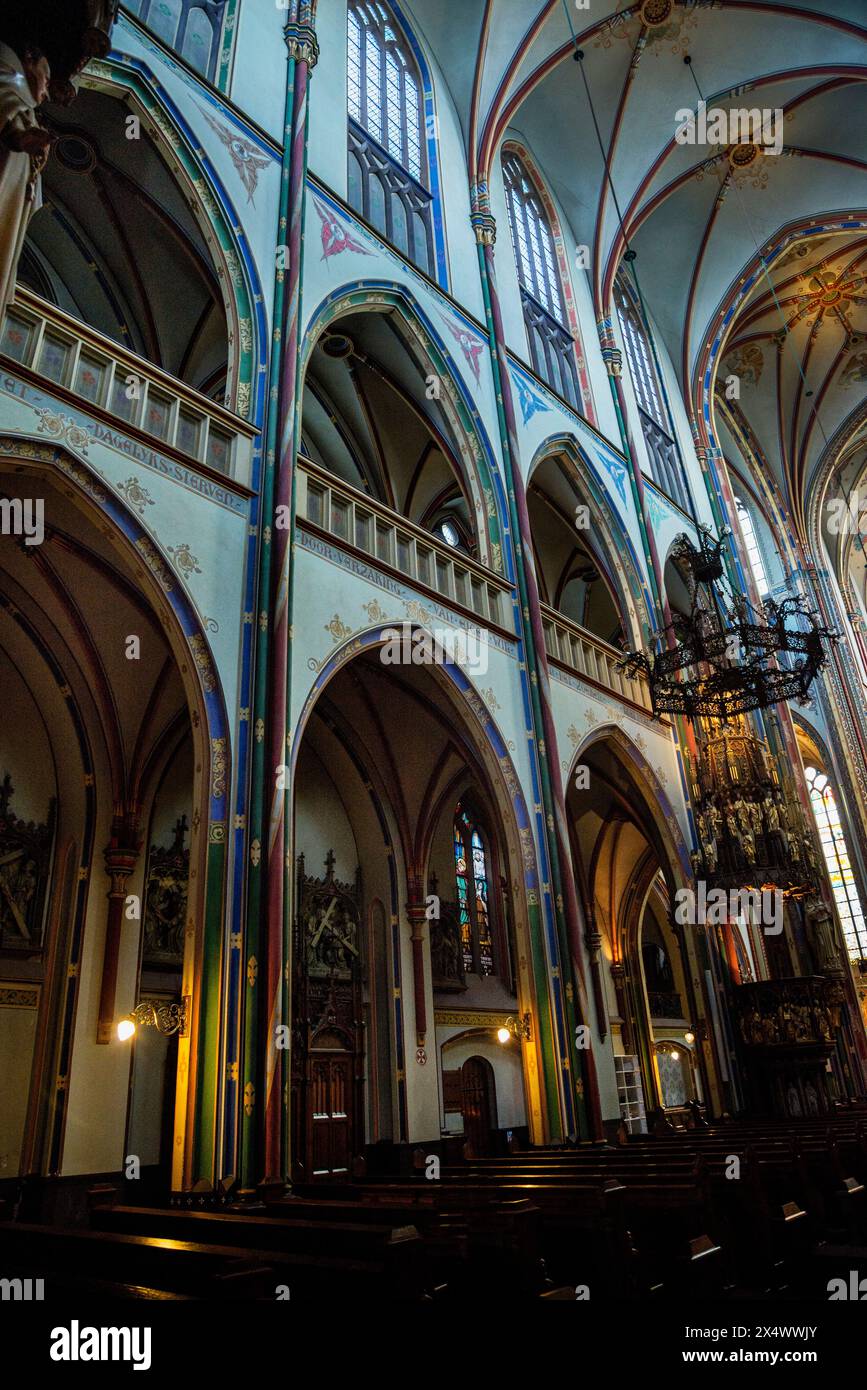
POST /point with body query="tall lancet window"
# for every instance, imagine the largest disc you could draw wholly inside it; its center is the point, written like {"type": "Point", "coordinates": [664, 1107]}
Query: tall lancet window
{"type": "Point", "coordinates": [754, 555]}
{"type": "Point", "coordinates": [665, 461]}
{"type": "Point", "coordinates": [552, 347]}
{"type": "Point", "coordinates": [388, 173]}
{"type": "Point", "coordinates": [837, 862]}
{"type": "Point", "coordinates": [472, 879]}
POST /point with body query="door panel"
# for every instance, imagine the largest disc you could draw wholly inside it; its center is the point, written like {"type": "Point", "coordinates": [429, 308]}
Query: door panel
{"type": "Point", "coordinates": [331, 1117]}
{"type": "Point", "coordinates": [477, 1104]}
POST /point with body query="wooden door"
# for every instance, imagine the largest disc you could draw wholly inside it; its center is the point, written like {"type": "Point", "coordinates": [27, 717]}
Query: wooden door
{"type": "Point", "coordinates": [478, 1104]}
{"type": "Point", "coordinates": [330, 1117]}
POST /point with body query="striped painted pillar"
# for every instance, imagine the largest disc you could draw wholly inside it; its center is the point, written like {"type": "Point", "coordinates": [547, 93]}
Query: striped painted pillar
{"type": "Point", "coordinates": [714, 1086]}
{"type": "Point", "coordinates": [578, 1062]}
{"type": "Point", "coordinates": [252, 1066]}
{"type": "Point", "coordinates": [277, 538]}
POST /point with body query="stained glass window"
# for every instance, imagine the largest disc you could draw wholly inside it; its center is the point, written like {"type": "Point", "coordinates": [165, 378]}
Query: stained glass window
{"type": "Point", "coordinates": [480, 878]}
{"type": "Point", "coordinates": [837, 862]}
{"type": "Point", "coordinates": [473, 890]}
{"type": "Point", "coordinates": [463, 899]}
{"type": "Point", "coordinates": [754, 555]}
{"type": "Point", "coordinates": [383, 86]}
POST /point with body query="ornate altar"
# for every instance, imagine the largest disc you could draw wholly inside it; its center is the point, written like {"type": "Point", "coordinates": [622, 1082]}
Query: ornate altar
{"type": "Point", "coordinates": [750, 828]}
{"type": "Point", "coordinates": [788, 1032]}
{"type": "Point", "coordinates": [25, 860]}
{"type": "Point", "coordinates": [165, 903]}
{"type": "Point", "coordinates": [753, 832]}
{"type": "Point", "coordinates": [327, 1061]}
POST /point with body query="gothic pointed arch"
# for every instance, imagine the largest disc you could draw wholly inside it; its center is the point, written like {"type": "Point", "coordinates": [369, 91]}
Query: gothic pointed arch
{"type": "Point", "coordinates": [144, 574]}
{"type": "Point", "coordinates": [550, 316]}
{"type": "Point", "coordinates": [564, 480]}
{"type": "Point", "coordinates": [220, 342]}
{"type": "Point", "coordinates": [393, 159]}
{"type": "Point", "coordinates": [462, 718]}
{"type": "Point", "coordinates": [407, 433]}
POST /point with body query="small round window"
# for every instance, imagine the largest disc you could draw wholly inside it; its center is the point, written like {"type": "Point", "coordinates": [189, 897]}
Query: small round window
{"type": "Point", "coordinates": [448, 532]}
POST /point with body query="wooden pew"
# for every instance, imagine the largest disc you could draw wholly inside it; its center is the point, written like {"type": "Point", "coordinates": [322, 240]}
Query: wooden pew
{"type": "Point", "coordinates": [391, 1257]}
{"type": "Point", "coordinates": [65, 1257]}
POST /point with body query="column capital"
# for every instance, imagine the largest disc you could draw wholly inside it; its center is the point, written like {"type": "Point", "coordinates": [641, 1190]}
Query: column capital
{"type": "Point", "coordinates": [611, 354]}
{"type": "Point", "coordinates": [302, 44]}
{"type": "Point", "coordinates": [483, 221]}
{"type": "Point", "coordinates": [485, 228]}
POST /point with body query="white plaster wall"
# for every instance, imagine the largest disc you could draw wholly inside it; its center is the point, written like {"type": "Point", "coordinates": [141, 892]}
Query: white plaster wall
{"type": "Point", "coordinates": [508, 1074]}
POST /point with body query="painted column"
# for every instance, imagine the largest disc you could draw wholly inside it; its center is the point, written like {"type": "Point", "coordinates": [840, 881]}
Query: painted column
{"type": "Point", "coordinates": [416, 911]}
{"type": "Point", "coordinates": [121, 857]}
{"type": "Point", "coordinates": [265, 1140]}
{"type": "Point", "coordinates": [684, 735]}
{"type": "Point", "coordinates": [613, 360]}
{"type": "Point", "coordinates": [253, 1071]}
{"type": "Point", "coordinates": [581, 1063]}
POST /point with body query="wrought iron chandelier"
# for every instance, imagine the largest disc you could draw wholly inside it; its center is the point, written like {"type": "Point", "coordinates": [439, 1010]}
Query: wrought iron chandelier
{"type": "Point", "coordinates": [719, 664]}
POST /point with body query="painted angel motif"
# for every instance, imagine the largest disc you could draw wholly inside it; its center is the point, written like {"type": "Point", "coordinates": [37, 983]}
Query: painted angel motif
{"type": "Point", "coordinates": [530, 403]}
{"type": "Point", "coordinates": [471, 347]}
{"type": "Point", "coordinates": [244, 155]}
{"type": "Point", "coordinates": [335, 237]}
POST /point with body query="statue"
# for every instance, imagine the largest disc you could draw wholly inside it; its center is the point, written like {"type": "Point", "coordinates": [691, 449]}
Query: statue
{"type": "Point", "coordinates": [733, 827]}
{"type": "Point", "coordinates": [820, 934]}
{"type": "Point", "coordinates": [100, 16]}
{"type": "Point", "coordinates": [23, 154]}
{"type": "Point", "coordinates": [747, 839]}
{"type": "Point", "coordinates": [708, 841]}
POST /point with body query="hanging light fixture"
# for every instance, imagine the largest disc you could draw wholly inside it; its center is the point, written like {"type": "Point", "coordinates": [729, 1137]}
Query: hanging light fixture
{"type": "Point", "coordinates": [719, 664]}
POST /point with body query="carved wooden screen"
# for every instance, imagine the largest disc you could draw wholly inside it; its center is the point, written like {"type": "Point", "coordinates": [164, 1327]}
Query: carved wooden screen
{"type": "Point", "coordinates": [166, 902]}
{"type": "Point", "coordinates": [25, 856]}
{"type": "Point", "coordinates": [327, 1037]}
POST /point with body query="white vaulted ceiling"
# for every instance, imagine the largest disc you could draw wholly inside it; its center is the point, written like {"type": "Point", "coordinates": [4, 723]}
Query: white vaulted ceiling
{"type": "Point", "coordinates": [698, 228]}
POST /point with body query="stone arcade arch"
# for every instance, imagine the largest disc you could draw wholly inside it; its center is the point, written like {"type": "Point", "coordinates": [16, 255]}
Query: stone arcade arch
{"type": "Point", "coordinates": [458, 419]}
{"type": "Point", "coordinates": [560, 482]}
{"type": "Point", "coordinates": [398, 791]}
{"type": "Point", "coordinates": [145, 575]}
{"type": "Point", "coordinates": [630, 859]}
{"type": "Point", "coordinates": [131, 82]}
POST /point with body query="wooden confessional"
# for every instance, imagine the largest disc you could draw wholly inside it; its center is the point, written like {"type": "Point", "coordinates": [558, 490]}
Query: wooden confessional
{"type": "Point", "coordinates": [327, 1031]}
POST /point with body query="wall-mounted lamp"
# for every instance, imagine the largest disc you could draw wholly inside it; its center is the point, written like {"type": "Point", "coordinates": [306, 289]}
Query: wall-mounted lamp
{"type": "Point", "coordinates": [515, 1028]}
{"type": "Point", "coordinates": [151, 1013]}
{"type": "Point", "coordinates": [689, 1038]}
